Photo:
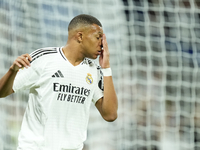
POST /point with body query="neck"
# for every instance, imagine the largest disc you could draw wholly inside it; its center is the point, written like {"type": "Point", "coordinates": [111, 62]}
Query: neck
{"type": "Point", "coordinates": [73, 53]}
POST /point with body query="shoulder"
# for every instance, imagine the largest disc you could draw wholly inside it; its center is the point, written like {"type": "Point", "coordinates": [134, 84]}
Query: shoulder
{"type": "Point", "coordinates": [93, 65]}
{"type": "Point", "coordinates": [43, 52]}
{"type": "Point", "coordinates": [88, 62]}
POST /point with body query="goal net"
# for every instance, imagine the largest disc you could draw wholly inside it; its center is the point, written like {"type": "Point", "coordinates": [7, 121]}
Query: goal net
{"type": "Point", "coordinates": [155, 59]}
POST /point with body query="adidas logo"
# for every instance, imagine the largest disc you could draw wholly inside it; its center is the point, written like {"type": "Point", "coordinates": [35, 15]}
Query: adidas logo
{"type": "Point", "coordinates": [58, 74]}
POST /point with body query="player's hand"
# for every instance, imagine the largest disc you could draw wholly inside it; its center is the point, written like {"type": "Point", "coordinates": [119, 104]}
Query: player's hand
{"type": "Point", "coordinates": [21, 61]}
{"type": "Point", "coordinates": [104, 59]}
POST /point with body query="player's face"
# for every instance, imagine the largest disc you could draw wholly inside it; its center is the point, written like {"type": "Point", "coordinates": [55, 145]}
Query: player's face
{"type": "Point", "coordinates": [92, 41]}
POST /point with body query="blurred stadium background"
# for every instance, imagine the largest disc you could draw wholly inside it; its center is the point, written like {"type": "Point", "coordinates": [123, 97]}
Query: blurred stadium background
{"type": "Point", "coordinates": [155, 58]}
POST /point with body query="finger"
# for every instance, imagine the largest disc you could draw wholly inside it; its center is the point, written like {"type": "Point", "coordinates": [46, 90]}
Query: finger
{"type": "Point", "coordinates": [26, 58]}
{"type": "Point", "coordinates": [17, 64]}
{"type": "Point", "coordinates": [105, 44]}
{"type": "Point", "coordinates": [23, 61]}
{"type": "Point", "coordinates": [104, 39]}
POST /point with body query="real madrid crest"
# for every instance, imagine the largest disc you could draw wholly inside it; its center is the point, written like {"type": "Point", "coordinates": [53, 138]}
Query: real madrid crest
{"type": "Point", "coordinates": [89, 79]}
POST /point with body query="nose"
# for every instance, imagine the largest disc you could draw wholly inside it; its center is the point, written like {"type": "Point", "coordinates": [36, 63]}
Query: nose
{"type": "Point", "coordinates": [101, 43]}
{"type": "Point", "coordinates": [101, 46]}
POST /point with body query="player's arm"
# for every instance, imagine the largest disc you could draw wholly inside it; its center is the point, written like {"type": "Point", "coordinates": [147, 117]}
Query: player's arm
{"type": "Point", "coordinates": [6, 82]}
{"type": "Point", "coordinates": [107, 105]}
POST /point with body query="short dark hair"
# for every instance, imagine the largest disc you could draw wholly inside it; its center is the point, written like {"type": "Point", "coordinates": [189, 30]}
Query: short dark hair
{"type": "Point", "coordinates": [84, 20]}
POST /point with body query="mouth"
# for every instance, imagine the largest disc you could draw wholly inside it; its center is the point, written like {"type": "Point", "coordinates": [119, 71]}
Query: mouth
{"type": "Point", "coordinates": [99, 52]}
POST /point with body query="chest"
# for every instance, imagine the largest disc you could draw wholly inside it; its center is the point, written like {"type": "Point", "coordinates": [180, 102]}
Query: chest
{"type": "Point", "coordinates": [64, 77]}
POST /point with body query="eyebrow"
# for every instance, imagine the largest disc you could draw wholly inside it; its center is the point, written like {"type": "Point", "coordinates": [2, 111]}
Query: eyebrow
{"type": "Point", "coordinates": [100, 33]}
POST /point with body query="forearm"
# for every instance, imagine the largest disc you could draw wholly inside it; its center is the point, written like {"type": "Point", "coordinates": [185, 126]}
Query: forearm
{"type": "Point", "coordinates": [6, 83]}
{"type": "Point", "coordinates": [109, 103]}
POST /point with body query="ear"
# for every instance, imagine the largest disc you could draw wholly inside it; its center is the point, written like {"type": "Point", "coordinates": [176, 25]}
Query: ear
{"type": "Point", "coordinates": [79, 36]}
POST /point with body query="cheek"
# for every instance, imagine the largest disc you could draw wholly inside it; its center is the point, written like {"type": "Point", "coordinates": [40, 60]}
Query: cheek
{"type": "Point", "coordinates": [100, 43]}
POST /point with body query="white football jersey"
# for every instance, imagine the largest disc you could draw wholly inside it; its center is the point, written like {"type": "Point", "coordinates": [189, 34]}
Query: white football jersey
{"type": "Point", "coordinates": [60, 96]}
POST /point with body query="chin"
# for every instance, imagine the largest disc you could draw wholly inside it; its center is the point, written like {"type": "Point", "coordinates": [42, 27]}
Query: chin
{"type": "Point", "coordinates": [93, 57]}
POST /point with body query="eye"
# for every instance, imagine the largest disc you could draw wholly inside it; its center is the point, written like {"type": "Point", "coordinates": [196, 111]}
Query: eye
{"type": "Point", "coordinates": [98, 38]}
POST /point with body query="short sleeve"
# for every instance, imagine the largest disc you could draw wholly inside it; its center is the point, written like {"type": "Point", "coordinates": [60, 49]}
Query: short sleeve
{"type": "Point", "coordinates": [26, 78]}
{"type": "Point", "coordinates": [99, 87]}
